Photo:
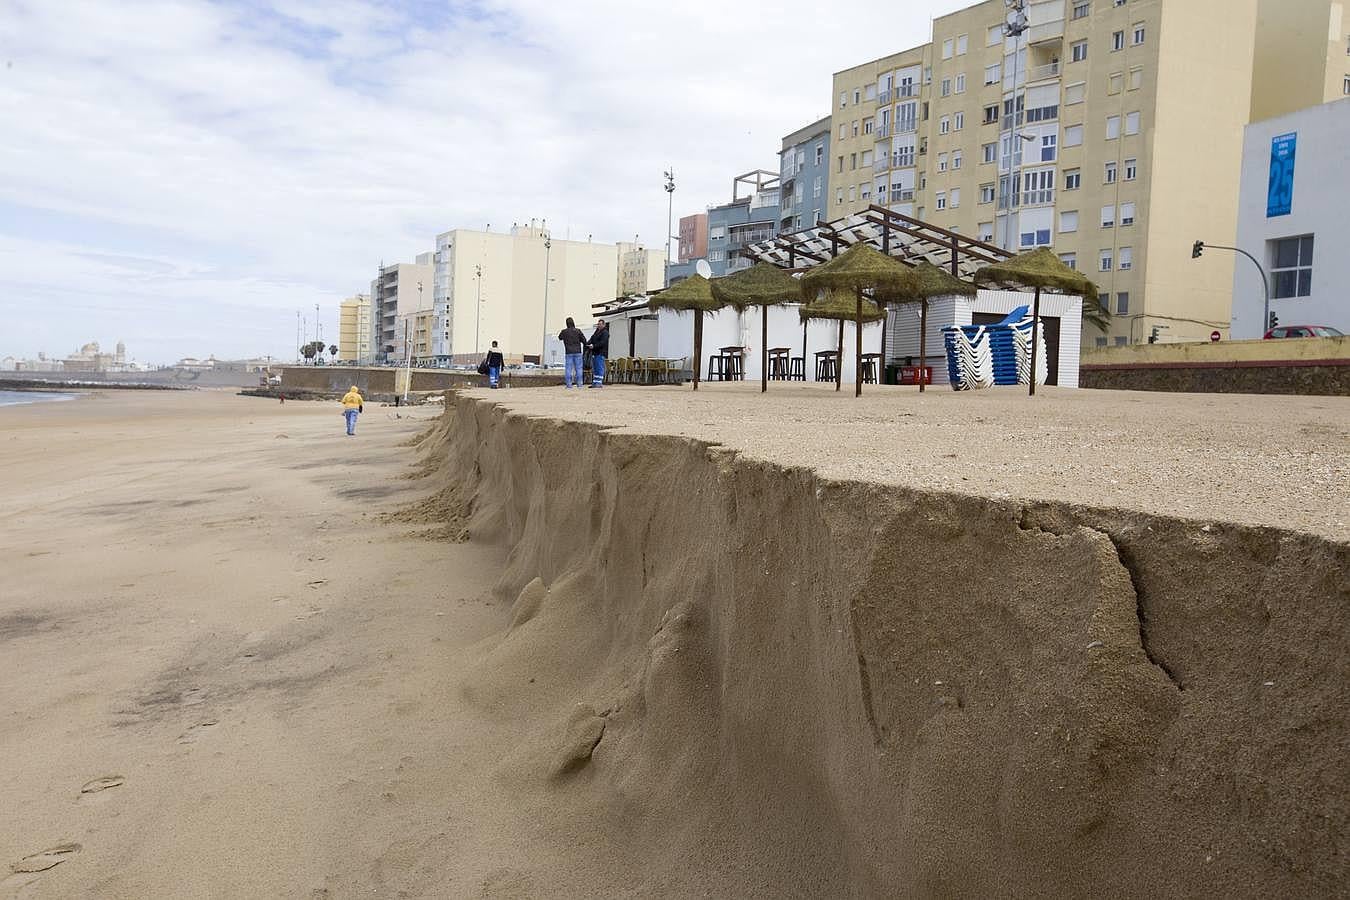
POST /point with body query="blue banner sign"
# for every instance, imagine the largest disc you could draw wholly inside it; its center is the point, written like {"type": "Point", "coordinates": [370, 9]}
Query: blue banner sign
{"type": "Point", "coordinates": [1280, 192]}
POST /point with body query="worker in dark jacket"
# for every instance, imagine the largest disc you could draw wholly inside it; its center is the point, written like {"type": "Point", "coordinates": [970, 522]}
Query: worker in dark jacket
{"type": "Point", "coordinates": [494, 365]}
{"type": "Point", "coordinates": [599, 344]}
{"type": "Point", "coordinates": [574, 345]}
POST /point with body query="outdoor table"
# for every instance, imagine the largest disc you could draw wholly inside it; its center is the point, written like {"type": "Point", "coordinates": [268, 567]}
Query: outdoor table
{"type": "Point", "coordinates": [826, 360]}
{"type": "Point", "coordinates": [869, 363]}
{"type": "Point", "coordinates": [778, 363]}
{"type": "Point", "coordinates": [732, 364]}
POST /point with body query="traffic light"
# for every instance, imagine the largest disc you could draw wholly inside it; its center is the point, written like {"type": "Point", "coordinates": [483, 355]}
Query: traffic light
{"type": "Point", "coordinates": [1274, 321]}
{"type": "Point", "coordinates": [1197, 249]}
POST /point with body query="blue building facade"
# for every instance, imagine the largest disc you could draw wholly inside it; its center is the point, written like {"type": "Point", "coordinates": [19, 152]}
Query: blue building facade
{"type": "Point", "coordinates": [744, 221]}
{"type": "Point", "coordinates": [804, 176]}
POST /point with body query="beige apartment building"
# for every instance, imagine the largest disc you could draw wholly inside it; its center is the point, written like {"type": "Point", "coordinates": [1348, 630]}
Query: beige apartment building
{"type": "Point", "coordinates": [1108, 130]}
{"type": "Point", "coordinates": [1302, 58]}
{"type": "Point", "coordinates": [354, 329]}
{"type": "Point", "coordinates": [640, 269]}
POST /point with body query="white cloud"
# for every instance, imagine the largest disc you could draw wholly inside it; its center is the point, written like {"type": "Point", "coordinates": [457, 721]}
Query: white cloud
{"type": "Point", "coordinates": [187, 175]}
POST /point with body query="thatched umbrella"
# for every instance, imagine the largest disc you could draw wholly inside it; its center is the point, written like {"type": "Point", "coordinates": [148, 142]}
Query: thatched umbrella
{"type": "Point", "coordinates": [761, 285]}
{"type": "Point", "coordinates": [1042, 270]}
{"type": "Point", "coordinates": [840, 307]}
{"type": "Point", "coordinates": [694, 292]}
{"type": "Point", "coordinates": [860, 268]}
{"type": "Point", "coordinates": [929, 281]}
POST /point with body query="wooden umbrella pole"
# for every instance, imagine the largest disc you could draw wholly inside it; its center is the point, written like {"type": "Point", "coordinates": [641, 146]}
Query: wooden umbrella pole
{"type": "Point", "coordinates": [885, 320]}
{"type": "Point", "coordinates": [698, 344]}
{"type": "Point", "coordinates": [923, 338]}
{"type": "Point", "coordinates": [839, 360]}
{"type": "Point", "coordinates": [857, 353]}
{"type": "Point", "coordinates": [764, 350]}
{"type": "Point", "coordinates": [1035, 320]}
{"type": "Point", "coordinates": [804, 324]}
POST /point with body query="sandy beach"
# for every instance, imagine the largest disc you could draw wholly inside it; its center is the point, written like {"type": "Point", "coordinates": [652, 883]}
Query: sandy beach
{"type": "Point", "coordinates": [644, 643]}
{"type": "Point", "coordinates": [201, 602]}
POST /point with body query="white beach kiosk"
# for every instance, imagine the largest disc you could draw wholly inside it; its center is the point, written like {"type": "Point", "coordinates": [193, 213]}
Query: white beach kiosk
{"type": "Point", "coordinates": [637, 331]}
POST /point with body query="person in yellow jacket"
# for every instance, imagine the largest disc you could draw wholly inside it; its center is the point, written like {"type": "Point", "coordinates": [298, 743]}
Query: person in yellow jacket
{"type": "Point", "coordinates": [352, 406]}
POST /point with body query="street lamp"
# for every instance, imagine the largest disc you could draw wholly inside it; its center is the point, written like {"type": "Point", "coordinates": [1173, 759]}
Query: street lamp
{"type": "Point", "coordinates": [670, 215]}
{"type": "Point", "coordinates": [478, 328]}
{"type": "Point", "coordinates": [543, 346]}
{"type": "Point", "coordinates": [1198, 249]}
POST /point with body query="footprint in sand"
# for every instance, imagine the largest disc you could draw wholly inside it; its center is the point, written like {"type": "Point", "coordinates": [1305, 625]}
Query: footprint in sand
{"type": "Point", "coordinates": [44, 859]}
{"type": "Point", "coordinates": [102, 784]}
{"type": "Point", "coordinates": [310, 613]}
{"type": "Point", "coordinates": [193, 734]}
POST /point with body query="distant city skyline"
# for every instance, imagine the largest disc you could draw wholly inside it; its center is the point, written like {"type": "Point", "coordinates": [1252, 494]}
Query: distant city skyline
{"type": "Point", "coordinates": [188, 178]}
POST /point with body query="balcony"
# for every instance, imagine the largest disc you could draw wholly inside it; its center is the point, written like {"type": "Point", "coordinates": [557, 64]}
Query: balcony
{"type": "Point", "coordinates": [1046, 31]}
{"type": "Point", "coordinates": [883, 130]}
{"type": "Point", "coordinates": [902, 196]}
{"type": "Point", "coordinates": [883, 97]}
{"type": "Point", "coordinates": [882, 164]}
{"type": "Point", "coordinates": [906, 90]}
{"type": "Point", "coordinates": [906, 126]}
{"type": "Point", "coordinates": [1043, 73]}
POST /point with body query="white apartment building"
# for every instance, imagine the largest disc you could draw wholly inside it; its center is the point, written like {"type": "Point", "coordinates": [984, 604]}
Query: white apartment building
{"type": "Point", "coordinates": [640, 269]}
{"type": "Point", "coordinates": [514, 287]}
{"type": "Point", "coordinates": [397, 295]}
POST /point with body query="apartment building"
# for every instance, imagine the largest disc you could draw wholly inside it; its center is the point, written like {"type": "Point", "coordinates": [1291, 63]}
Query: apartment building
{"type": "Point", "coordinates": [354, 329]}
{"type": "Point", "coordinates": [514, 287]}
{"type": "Point", "coordinates": [693, 238]}
{"type": "Point", "coordinates": [1302, 58]}
{"type": "Point", "coordinates": [804, 176]}
{"type": "Point", "coordinates": [751, 216]}
{"type": "Point", "coordinates": [640, 269]}
{"type": "Point", "coordinates": [399, 291]}
{"type": "Point", "coordinates": [1109, 130]}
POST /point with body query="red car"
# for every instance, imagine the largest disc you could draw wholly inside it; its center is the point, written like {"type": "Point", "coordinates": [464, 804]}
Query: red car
{"type": "Point", "coordinates": [1303, 331]}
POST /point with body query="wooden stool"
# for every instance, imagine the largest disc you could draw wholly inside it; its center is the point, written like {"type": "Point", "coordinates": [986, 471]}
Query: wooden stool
{"type": "Point", "coordinates": [826, 360]}
{"type": "Point", "coordinates": [797, 369]}
{"type": "Point", "coordinates": [778, 364]}
{"type": "Point", "coordinates": [717, 367]}
{"type": "Point", "coordinates": [734, 367]}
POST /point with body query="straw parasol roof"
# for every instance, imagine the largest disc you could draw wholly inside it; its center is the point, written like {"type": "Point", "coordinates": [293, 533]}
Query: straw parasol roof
{"type": "Point", "coordinates": [840, 305]}
{"type": "Point", "coordinates": [694, 292]}
{"type": "Point", "coordinates": [762, 284]}
{"type": "Point", "coordinates": [860, 267]}
{"type": "Point", "coordinates": [1039, 268]}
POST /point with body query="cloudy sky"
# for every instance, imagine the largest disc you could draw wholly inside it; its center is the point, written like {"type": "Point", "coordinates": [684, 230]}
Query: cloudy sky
{"type": "Point", "coordinates": [185, 176]}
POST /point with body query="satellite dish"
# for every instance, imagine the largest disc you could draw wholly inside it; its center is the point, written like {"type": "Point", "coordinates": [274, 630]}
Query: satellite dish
{"type": "Point", "coordinates": [702, 268]}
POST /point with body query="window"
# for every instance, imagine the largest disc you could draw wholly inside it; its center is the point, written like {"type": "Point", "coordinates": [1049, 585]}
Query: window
{"type": "Point", "coordinates": [987, 193]}
{"type": "Point", "coordinates": [944, 125]}
{"type": "Point", "coordinates": [857, 96]}
{"type": "Point", "coordinates": [1073, 136]}
{"type": "Point", "coordinates": [1112, 127]}
{"type": "Point", "coordinates": [1126, 258]}
{"type": "Point", "coordinates": [1131, 169]}
{"type": "Point", "coordinates": [1068, 221]}
{"type": "Point", "coordinates": [843, 131]}
{"type": "Point", "coordinates": [1127, 213]}
{"type": "Point", "coordinates": [941, 199]}
{"type": "Point", "coordinates": [820, 153]}
{"type": "Point", "coordinates": [947, 47]}
{"type": "Point", "coordinates": [1118, 3]}
{"type": "Point", "coordinates": [986, 231]}
{"type": "Point", "coordinates": [990, 152]}
{"type": "Point", "coordinates": [868, 125]}
{"type": "Point", "coordinates": [946, 87]}
{"type": "Point", "coordinates": [993, 74]}
{"type": "Point", "coordinates": [1292, 266]}
{"type": "Point", "coordinates": [1038, 187]}
{"type": "Point", "coordinates": [855, 127]}
{"type": "Point", "coordinates": [1106, 259]}
{"type": "Point", "coordinates": [1073, 179]}
{"type": "Point", "coordinates": [1101, 342]}
{"type": "Point", "coordinates": [942, 162]}
{"type": "Point", "coordinates": [843, 101]}
{"type": "Point", "coordinates": [717, 232]}
{"type": "Point", "coordinates": [852, 193]}
{"type": "Point", "coordinates": [994, 36]}
{"type": "Point", "coordinates": [1075, 93]}
{"type": "Point", "coordinates": [1120, 340]}
{"type": "Point", "coordinates": [956, 159]}
{"type": "Point", "coordinates": [839, 196]}
{"type": "Point", "coordinates": [958, 121]}
{"type": "Point", "coordinates": [904, 156]}
{"type": "Point", "coordinates": [961, 83]}
{"type": "Point", "coordinates": [1081, 10]}
{"type": "Point", "coordinates": [716, 255]}
{"type": "Point", "coordinates": [1117, 40]}
{"type": "Point", "coordinates": [962, 44]}
{"type": "Point", "coordinates": [1138, 33]}
{"type": "Point", "coordinates": [799, 191]}
{"type": "Point", "coordinates": [852, 161]}
{"type": "Point", "coordinates": [865, 191]}
{"type": "Point", "coordinates": [1069, 259]}
{"type": "Point", "coordinates": [1049, 145]}
{"type": "Point", "coordinates": [1104, 300]}
{"type": "Point", "coordinates": [1110, 177]}
{"type": "Point", "coordinates": [1132, 123]}
{"type": "Point", "coordinates": [841, 164]}
{"type": "Point", "coordinates": [870, 91]}
{"type": "Point", "coordinates": [1043, 113]}
{"type": "Point", "coordinates": [1115, 83]}
{"type": "Point", "coordinates": [991, 114]}
{"type": "Point", "coordinates": [1345, 86]}
{"type": "Point", "coordinates": [817, 186]}
{"type": "Point", "coordinates": [1109, 216]}
{"type": "Point", "coordinates": [1078, 51]}
{"type": "Point", "coordinates": [1136, 79]}
{"type": "Point", "coordinates": [1028, 239]}
{"type": "Point", "coordinates": [866, 158]}
{"type": "Point", "coordinates": [956, 197]}
{"type": "Point", "coordinates": [1122, 302]}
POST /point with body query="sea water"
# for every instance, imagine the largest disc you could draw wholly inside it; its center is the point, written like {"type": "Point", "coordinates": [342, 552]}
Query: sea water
{"type": "Point", "coordinates": [16, 398]}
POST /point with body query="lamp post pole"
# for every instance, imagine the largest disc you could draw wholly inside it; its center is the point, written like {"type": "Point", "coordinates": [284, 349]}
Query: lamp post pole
{"type": "Point", "coordinates": [478, 302]}
{"type": "Point", "coordinates": [1015, 26]}
{"type": "Point", "coordinates": [543, 345]}
{"type": "Point", "coordinates": [670, 216]}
